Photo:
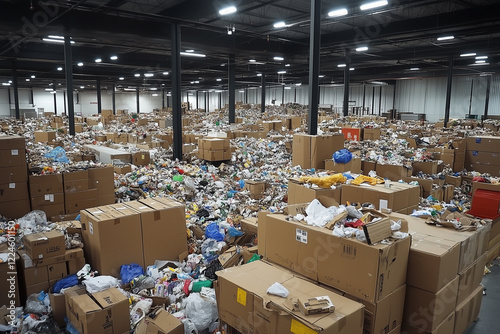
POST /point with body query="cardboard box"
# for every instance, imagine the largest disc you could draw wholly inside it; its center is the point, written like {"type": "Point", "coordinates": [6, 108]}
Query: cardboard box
{"type": "Point", "coordinates": [483, 144]}
{"type": "Point", "coordinates": [446, 327]}
{"type": "Point", "coordinates": [46, 184]}
{"type": "Point", "coordinates": [12, 151]}
{"type": "Point", "coordinates": [312, 151]}
{"type": "Point", "coordinates": [256, 188]}
{"type": "Point", "coordinates": [426, 167]}
{"type": "Point", "coordinates": [468, 311]}
{"type": "Point", "coordinates": [15, 209]}
{"type": "Point", "coordinates": [58, 305]}
{"type": "Point", "coordinates": [141, 158]}
{"type": "Point", "coordinates": [44, 136]}
{"type": "Point", "coordinates": [354, 134]}
{"type": "Point", "coordinates": [14, 191]}
{"type": "Point", "coordinates": [76, 181]}
{"type": "Point", "coordinates": [123, 169]}
{"type": "Point", "coordinates": [354, 166]}
{"type": "Point", "coordinates": [103, 180]}
{"type": "Point", "coordinates": [427, 310]}
{"type": "Point", "coordinates": [249, 225]}
{"type": "Point", "coordinates": [10, 285]}
{"type": "Point", "coordinates": [392, 172]}
{"type": "Point", "coordinates": [214, 144]}
{"type": "Point", "coordinates": [398, 197]}
{"type": "Point", "coordinates": [298, 193]}
{"type": "Point", "coordinates": [51, 204]}
{"type": "Point", "coordinates": [161, 322]}
{"type": "Point", "coordinates": [16, 174]}
{"type": "Point", "coordinates": [242, 299]}
{"type": "Point", "coordinates": [469, 279]}
{"type": "Point", "coordinates": [367, 166]}
{"type": "Point", "coordinates": [80, 200]}
{"type": "Point", "coordinates": [487, 158]}
{"type": "Point", "coordinates": [322, 257]}
{"type": "Point", "coordinates": [104, 312]}
{"type": "Point", "coordinates": [44, 244]}
{"type": "Point", "coordinates": [371, 134]}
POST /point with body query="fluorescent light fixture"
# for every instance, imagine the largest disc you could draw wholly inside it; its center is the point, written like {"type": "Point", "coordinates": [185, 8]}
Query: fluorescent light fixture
{"type": "Point", "coordinates": [298, 84]}
{"type": "Point", "coordinates": [341, 65]}
{"type": "Point", "coordinates": [196, 81]}
{"type": "Point", "coordinates": [374, 4]}
{"type": "Point", "coordinates": [59, 84]}
{"type": "Point", "coordinates": [445, 38]}
{"type": "Point", "coordinates": [351, 69]}
{"type": "Point", "coordinates": [10, 81]}
{"type": "Point", "coordinates": [287, 65]}
{"type": "Point", "coordinates": [480, 61]}
{"type": "Point", "coordinates": [415, 69]}
{"type": "Point", "coordinates": [259, 74]}
{"type": "Point", "coordinates": [48, 89]}
{"type": "Point", "coordinates": [82, 87]}
{"type": "Point", "coordinates": [165, 73]}
{"type": "Point", "coordinates": [190, 51]}
{"type": "Point", "coordinates": [321, 76]}
{"type": "Point", "coordinates": [33, 77]}
{"type": "Point", "coordinates": [52, 92]}
{"type": "Point", "coordinates": [192, 82]}
{"type": "Point", "coordinates": [338, 12]}
{"type": "Point", "coordinates": [278, 58]}
{"type": "Point", "coordinates": [155, 94]}
{"type": "Point", "coordinates": [280, 24]}
{"type": "Point", "coordinates": [252, 60]}
{"type": "Point", "coordinates": [130, 89]}
{"type": "Point", "coordinates": [80, 64]}
{"type": "Point", "coordinates": [281, 72]}
{"type": "Point", "coordinates": [148, 75]}
{"type": "Point", "coordinates": [137, 75]}
{"type": "Point", "coordinates": [241, 91]}
{"type": "Point", "coordinates": [51, 40]}
{"type": "Point", "coordinates": [288, 87]}
{"type": "Point", "coordinates": [228, 10]}
{"type": "Point", "coordinates": [98, 60]}
{"type": "Point", "coordinates": [27, 79]}
{"type": "Point", "coordinates": [121, 78]}
{"type": "Point", "coordinates": [218, 79]}
{"type": "Point", "coordinates": [56, 37]}
{"type": "Point", "coordinates": [468, 54]}
{"type": "Point", "coordinates": [59, 68]}
{"type": "Point", "coordinates": [113, 57]}
{"type": "Point", "coordinates": [153, 88]}
{"type": "Point", "coordinates": [481, 57]}
{"type": "Point", "coordinates": [377, 82]}
{"type": "Point", "coordinates": [5, 84]}
{"type": "Point", "coordinates": [362, 48]}
{"type": "Point", "coordinates": [200, 55]}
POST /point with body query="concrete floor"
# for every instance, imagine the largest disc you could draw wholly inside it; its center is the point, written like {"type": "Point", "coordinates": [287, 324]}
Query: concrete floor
{"type": "Point", "coordinates": [488, 321]}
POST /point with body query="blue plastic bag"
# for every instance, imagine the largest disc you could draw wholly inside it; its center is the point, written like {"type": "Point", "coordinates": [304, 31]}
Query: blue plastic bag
{"type": "Point", "coordinates": [58, 154]}
{"type": "Point", "coordinates": [212, 232]}
{"type": "Point", "coordinates": [66, 282]}
{"type": "Point", "coordinates": [342, 156]}
{"type": "Point", "coordinates": [234, 232]}
{"type": "Point", "coordinates": [130, 271]}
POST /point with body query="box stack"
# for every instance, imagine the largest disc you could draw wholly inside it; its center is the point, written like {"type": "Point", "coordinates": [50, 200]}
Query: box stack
{"type": "Point", "coordinates": [445, 268]}
{"type": "Point", "coordinates": [14, 196]}
{"type": "Point", "coordinates": [45, 136]}
{"type": "Point", "coordinates": [311, 151]}
{"type": "Point", "coordinates": [214, 149]}
{"type": "Point", "coordinates": [10, 286]}
{"type": "Point", "coordinates": [353, 166]}
{"type": "Point", "coordinates": [47, 194]}
{"type": "Point", "coordinates": [298, 193]}
{"type": "Point", "coordinates": [77, 192]}
{"type": "Point", "coordinates": [483, 155]}
{"type": "Point", "coordinates": [454, 156]}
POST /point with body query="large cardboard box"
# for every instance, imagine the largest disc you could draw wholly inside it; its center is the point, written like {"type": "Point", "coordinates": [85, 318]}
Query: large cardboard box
{"type": "Point", "coordinates": [15, 174]}
{"type": "Point", "coordinates": [141, 158]}
{"type": "Point", "coordinates": [80, 200]}
{"type": "Point", "coordinates": [446, 327]}
{"type": "Point", "coordinates": [392, 172]}
{"type": "Point", "coordinates": [354, 166]}
{"type": "Point", "coordinates": [427, 310]}
{"type": "Point", "coordinates": [426, 167]}
{"type": "Point", "coordinates": [468, 311]}
{"type": "Point", "coordinates": [161, 322]}
{"type": "Point", "coordinates": [244, 304]}
{"type": "Point", "coordinates": [256, 188]}
{"type": "Point", "coordinates": [104, 312]}
{"type": "Point", "coordinates": [371, 134]}
{"type": "Point", "coordinates": [354, 134]}
{"type": "Point", "coordinates": [15, 209]}
{"type": "Point", "coordinates": [298, 193]}
{"type": "Point", "coordinates": [44, 136]}
{"type": "Point", "coordinates": [483, 144]}
{"type": "Point", "coordinates": [76, 181]}
{"type": "Point", "coordinates": [44, 244]}
{"type": "Point", "coordinates": [51, 204]}
{"type": "Point", "coordinates": [367, 166]}
{"type": "Point", "coordinates": [470, 278]}
{"type": "Point", "coordinates": [103, 180]}
{"type": "Point", "coordinates": [111, 235]}
{"type": "Point", "coordinates": [311, 151]}
{"type": "Point", "coordinates": [14, 191]}
{"type": "Point", "coordinates": [12, 151]}
{"type": "Point", "coordinates": [46, 184]}
{"type": "Point", "coordinates": [479, 157]}
{"type": "Point", "coordinates": [369, 272]}
{"type": "Point", "coordinates": [10, 283]}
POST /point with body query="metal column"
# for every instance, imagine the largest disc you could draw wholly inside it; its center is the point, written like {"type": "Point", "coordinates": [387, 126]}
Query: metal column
{"type": "Point", "coordinates": [471, 91]}
{"type": "Point", "coordinates": [380, 101]}
{"type": "Point", "coordinates": [346, 81]}
{"type": "Point", "coordinates": [246, 95]}
{"type": "Point", "coordinates": [207, 101]}
{"type": "Point", "coordinates": [197, 107]}
{"type": "Point", "coordinates": [295, 96]}
{"type": "Point", "coordinates": [99, 101]}
{"type": "Point", "coordinates": [176, 89]}
{"type": "Point", "coordinates": [55, 98]}
{"type": "Point", "coordinates": [373, 100]}
{"type": "Point", "coordinates": [364, 100]}
{"type": "Point", "coordinates": [64, 102]}
{"type": "Point", "coordinates": [487, 101]}
{"type": "Point", "coordinates": [263, 93]}
{"type": "Point", "coordinates": [314, 55]}
{"type": "Point", "coordinates": [283, 96]}
{"type": "Point", "coordinates": [232, 90]}
{"type": "Point", "coordinates": [138, 105]}
{"type": "Point", "coordinates": [187, 100]}
{"type": "Point", "coordinates": [68, 59]}
{"type": "Point", "coordinates": [163, 98]}
{"type": "Point", "coordinates": [16, 90]}
{"type": "Point", "coordinates": [220, 100]}
{"type": "Point", "coordinates": [32, 97]}
{"type": "Point", "coordinates": [448, 92]}
{"type": "Point", "coordinates": [113, 99]}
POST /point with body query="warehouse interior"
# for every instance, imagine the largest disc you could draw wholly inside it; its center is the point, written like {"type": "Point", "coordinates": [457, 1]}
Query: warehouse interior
{"type": "Point", "coordinates": [362, 135]}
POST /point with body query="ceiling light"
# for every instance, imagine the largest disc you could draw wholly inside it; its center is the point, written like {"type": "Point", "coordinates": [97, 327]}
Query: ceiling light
{"type": "Point", "coordinates": [280, 24]}
{"type": "Point", "coordinates": [298, 84]}
{"type": "Point", "coordinates": [338, 12]}
{"type": "Point", "coordinates": [82, 87]}
{"type": "Point", "coordinates": [59, 84]}
{"type": "Point", "coordinates": [445, 38]}
{"type": "Point", "coordinates": [52, 92]}
{"type": "Point", "coordinates": [153, 88]}
{"type": "Point", "coordinates": [201, 55]}
{"type": "Point", "coordinates": [80, 64]}
{"type": "Point", "coordinates": [51, 40]}
{"type": "Point", "coordinates": [48, 89]}
{"type": "Point", "coordinates": [113, 57]}
{"type": "Point", "coordinates": [415, 69]}
{"type": "Point", "coordinates": [137, 75]}
{"type": "Point", "coordinates": [351, 69]}
{"type": "Point", "coordinates": [362, 48]}
{"type": "Point", "coordinates": [241, 91]}
{"type": "Point", "coordinates": [59, 68]}
{"type": "Point", "coordinates": [259, 74]}
{"type": "Point", "coordinates": [481, 57]}
{"type": "Point", "coordinates": [165, 73]}
{"type": "Point", "coordinates": [10, 81]}
{"type": "Point", "coordinates": [197, 82]}
{"type": "Point", "coordinates": [27, 79]}
{"type": "Point", "coordinates": [56, 37]}
{"type": "Point", "coordinates": [288, 87]}
{"type": "Point", "coordinates": [480, 61]}
{"type": "Point", "coordinates": [377, 83]}
{"type": "Point", "coordinates": [192, 82]}
{"type": "Point", "coordinates": [467, 55]}
{"type": "Point", "coordinates": [278, 58]}
{"type": "Point", "coordinates": [218, 79]}
{"type": "Point", "coordinates": [287, 65]}
{"type": "Point", "coordinates": [148, 75]}
{"type": "Point", "coordinates": [374, 4]}
{"type": "Point", "coordinates": [32, 77]}
{"type": "Point", "coordinates": [190, 51]}
{"type": "Point", "coordinates": [228, 10]}
{"type": "Point", "coordinates": [341, 65]}
{"type": "Point", "coordinates": [98, 60]}
{"type": "Point", "coordinates": [121, 78]}
{"type": "Point", "coordinates": [5, 84]}
{"type": "Point", "coordinates": [155, 94]}
{"type": "Point", "coordinates": [252, 60]}
{"type": "Point", "coordinates": [321, 76]}
{"type": "Point", "coordinates": [281, 72]}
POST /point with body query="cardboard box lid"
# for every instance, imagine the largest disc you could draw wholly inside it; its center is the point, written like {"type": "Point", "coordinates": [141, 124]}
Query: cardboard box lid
{"type": "Point", "coordinates": [10, 142]}
{"type": "Point", "coordinates": [77, 175]}
{"type": "Point", "coordinates": [109, 297]}
{"type": "Point", "coordinates": [162, 322]}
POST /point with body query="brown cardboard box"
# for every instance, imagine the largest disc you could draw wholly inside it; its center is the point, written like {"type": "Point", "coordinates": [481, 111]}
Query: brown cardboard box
{"type": "Point", "coordinates": [483, 144]}
{"type": "Point", "coordinates": [80, 200]}
{"type": "Point", "coordinates": [256, 188]}
{"type": "Point", "coordinates": [123, 169]}
{"type": "Point", "coordinates": [249, 225]}
{"type": "Point", "coordinates": [162, 322]}
{"type": "Point", "coordinates": [323, 257]}
{"type": "Point", "coordinates": [397, 197]}
{"type": "Point", "coordinates": [392, 172]}
{"type": "Point", "coordinates": [312, 151]}
{"type": "Point", "coordinates": [106, 234]}
{"type": "Point", "coordinates": [76, 181]}
{"type": "Point", "coordinates": [367, 166]}
{"type": "Point", "coordinates": [44, 136]}
{"type": "Point", "coordinates": [454, 180]}
{"type": "Point", "coordinates": [494, 170]}
{"type": "Point", "coordinates": [58, 305]}
{"type": "Point", "coordinates": [354, 166]}
{"type": "Point", "coordinates": [160, 218]}
{"type": "Point", "coordinates": [298, 194]}
{"type": "Point", "coordinates": [15, 209]}
{"type": "Point", "coordinates": [16, 174]}
{"type": "Point", "coordinates": [427, 310]}
{"type": "Point", "coordinates": [446, 327]}
{"type": "Point", "coordinates": [46, 184]}
{"type": "Point", "coordinates": [487, 158]}
{"type": "Point", "coordinates": [10, 285]}
{"type": "Point", "coordinates": [44, 244]}
{"type": "Point", "coordinates": [51, 204]}
{"type": "Point", "coordinates": [242, 300]}
{"type": "Point", "coordinates": [104, 312]}
{"type": "Point", "coordinates": [12, 151]}
{"type": "Point", "coordinates": [426, 167]}
{"type": "Point", "coordinates": [468, 311]}
{"type": "Point", "coordinates": [371, 134]}
{"type": "Point", "coordinates": [470, 278]}
{"type": "Point", "coordinates": [140, 158]}
{"type": "Point", "coordinates": [14, 191]}
{"type": "Point", "coordinates": [103, 180]}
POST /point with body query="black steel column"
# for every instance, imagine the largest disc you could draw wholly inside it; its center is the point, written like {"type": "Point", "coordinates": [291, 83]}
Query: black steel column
{"type": "Point", "coordinates": [176, 89]}
{"type": "Point", "coordinates": [487, 101]}
{"type": "Point", "coordinates": [346, 81]}
{"type": "Point", "coordinates": [64, 102]}
{"type": "Point", "coordinates": [55, 98]}
{"type": "Point", "coordinates": [364, 99]}
{"type": "Point", "coordinates": [263, 93]}
{"type": "Point", "coordinates": [246, 95]}
{"type": "Point", "coordinates": [99, 102]}
{"type": "Point", "coordinates": [207, 101]}
{"type": "Point", "coordinates": [32, 97]}
{"type": "Point", "coordinates": [138, 105]}
{"type": "Point", "coordinates": [394, 98]}
{"type": "Point", "coordinates": [380, 101]}
{"type": "Point", "coordinates": [314, 55]}
{"type": "Point", "coordinates": [68, 60]}
{"type": "Point", "coordinates": [373, 101]}
{"type": "Point", "coordinates": [471, 91]}
{"type": "Point", "coordinates": [197, 107]}
{"type": "Point", "coordinates": [220, 100]}
{"type": "Point", "coordinates": [113, 99]}
{"type": "Point", "coordinates": [16, 90]}
{"type": "Point", "coordinates": [10, 99]}
{"type": "Point", "coordinates": [283, 96]}
{"type": "Point", "coordinates": [295, 96]}
{"type": "Point", "coordinates": [163, 98]}
{"type": "Point", "coordinates": [187, 100]}
{"type": "Point", "coordinates": [448, 92]}
{"type": "Point", "coordinates": [232, 90]}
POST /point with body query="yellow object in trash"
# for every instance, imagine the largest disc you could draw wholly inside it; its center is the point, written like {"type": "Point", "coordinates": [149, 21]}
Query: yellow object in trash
{"type": "Point", "coordinates": [325, 181]}
{"type": "Point", "coordinates": [371, 180]}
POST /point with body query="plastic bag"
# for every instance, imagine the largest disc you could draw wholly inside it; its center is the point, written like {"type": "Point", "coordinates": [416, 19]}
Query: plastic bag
{"type": "Point", "coordinates": [278, 290]}
{"type": "Point", "coordinates": [66, 282]}
{"type": "Point", "coordinates": [318, 215]}
{"type": "Point", "coordinates": [342, 156]}
{"type": "Point", "coordinates": [212, 268]}
{"type": "Point", "coordinates": [58, 154]}
{"type": "Point", "coordinates": [212, 232]}
{"type": "Point", "coordinates": [234, 232]}
{"type": "Point", "coordinates": [130, 271]}
{"type": "Point", "coordinates": [201, 311]}
{"type": "Point", "coordinates": [100, 283]}
{"type": "Point", "coordinates": [189, 327]}
{"type": "Point", "coordinates": [36, 304]}
{"type": "Point", "coordinates": [32, 219]}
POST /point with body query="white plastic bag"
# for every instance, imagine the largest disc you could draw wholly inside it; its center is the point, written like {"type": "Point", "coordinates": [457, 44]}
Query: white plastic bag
{"type": "Point", "coordinates": [100, 283]}
{"type": "Point", "coordinates": [201, 311]}
{"type": "Point", "coordinates": [278, 290]}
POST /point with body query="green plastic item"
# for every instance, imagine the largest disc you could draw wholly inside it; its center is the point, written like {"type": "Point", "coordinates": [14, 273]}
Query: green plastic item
{"type": "Point", "coordinates": [255, 257]}
{"type": "Point", "coordinates": [200, 284]}
{"type": "Point", "coordinates": [178, 178]}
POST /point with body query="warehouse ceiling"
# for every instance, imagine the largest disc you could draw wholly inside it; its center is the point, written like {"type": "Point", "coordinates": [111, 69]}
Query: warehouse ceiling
{"type": "Point", "coordinates": [401, 39]}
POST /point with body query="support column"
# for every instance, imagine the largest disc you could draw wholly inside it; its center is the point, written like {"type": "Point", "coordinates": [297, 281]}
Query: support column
{"type": "Point", "coordinates": [197, 107]}
{"type": "Point", "coordinates": [448, 92]}
{"type": "Point", "coordinates": [187, 100]}
{"type": "Point", "coordinates": [314, 55]}
{"type": "Point", "coordinates": [373, 100]}
{"type": "Point", "coordinates": [176, 89]}
{"type": "Point", "coordinates": [138, 105]}
{"type": "Point", "coordinates": [263, 93]}
{"type": "Point", "coordinates": [380, 102]}
{"type": "Point", "coordinates": [283, 96]}
{"type": "Point", "coordinates": [471, 91]}
{"type": "Point", "coordinates": [246, 95]}
{"type": "Point", "coordinates": [347, 79]}
{"type": "Point", "coordinates": [295, 96]}
{"type": "Point", "coordinates": [207, 101]}
{"type": "Point", "coordinates": [487, 101]}
{"type": "Point", "coordinates": [16, 90]}
{"type": "Point", "coordinates": [364, 99]}
{"type": "Point", "coordinates": [64, 102]}
{"type": "Point", "coordinates": [394, 99]}
{"type": "Point", "coordinates": [55, 98]}
{"type": "Point", "coordinates": [163, 98]}
{"type": "Point", "coordinates": [32, 97]}
{"type": "Point", "coordinates": [99, 101]}
{"type": "Point", "coordinates": [232, 90]}
{"type": "Point", "coordinates": [68, 59]}
{"type": "Point", "coordinates": [113, 99]}
{"type": "Point", "coordinates": [220, 100]}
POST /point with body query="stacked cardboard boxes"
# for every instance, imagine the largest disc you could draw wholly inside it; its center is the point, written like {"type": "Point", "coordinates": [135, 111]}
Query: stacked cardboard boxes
{"type": "Point", "coordinates": [14, 195]}
{"type": "Point", "coordinates": [214, 149]}
{"type": "Point", "coordinates": [77, 192]}
{"type": "Point", "coordinates": [298, 193]}
{"type": "Point", "coordinates": [353, 166]}
{"type": "Point", "coordinates": [47, 194]}
{"type": "Point", "coordinates": [311, 151]}
{"type": "Point", "coordinates": [483, 155]}
{"type": "Point", "coordinates": [45, 136]}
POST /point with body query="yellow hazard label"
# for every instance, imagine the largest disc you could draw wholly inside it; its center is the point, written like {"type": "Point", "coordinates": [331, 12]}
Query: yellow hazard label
{"type": "Point", "coordinates": [241, 297]}
{"type": "Point", "coordinates": [300, 328]}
